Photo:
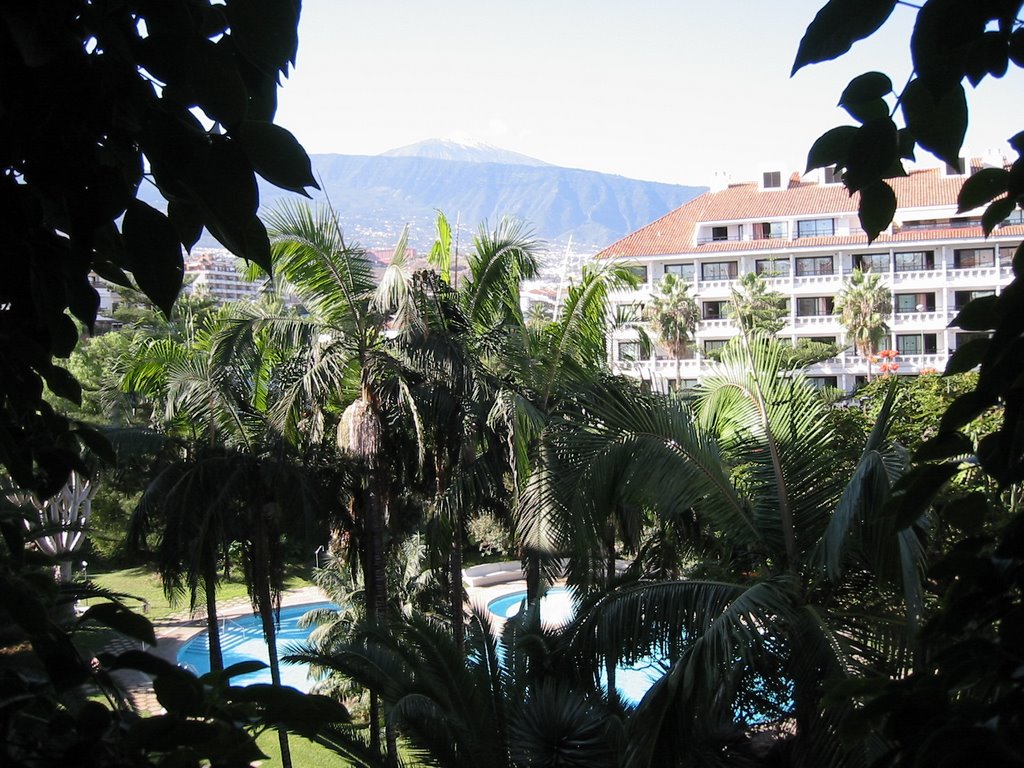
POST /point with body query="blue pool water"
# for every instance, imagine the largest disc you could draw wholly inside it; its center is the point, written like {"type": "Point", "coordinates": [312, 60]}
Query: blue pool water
{"type": "Point", "coordinates": [241, 639]}
{"type": "Point", "coordinates": [557, 607]}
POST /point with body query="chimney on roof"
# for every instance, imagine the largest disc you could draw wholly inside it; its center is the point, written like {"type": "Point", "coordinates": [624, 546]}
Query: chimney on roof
{"type": "Point", "coordinates": [720, 180]}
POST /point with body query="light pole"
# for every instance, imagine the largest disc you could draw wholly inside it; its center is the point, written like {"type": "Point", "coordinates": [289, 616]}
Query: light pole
{"type": "Point", "coordinates": [316, 555]}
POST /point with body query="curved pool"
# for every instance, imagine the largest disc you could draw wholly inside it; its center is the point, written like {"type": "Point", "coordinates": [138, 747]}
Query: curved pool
{"type": "Point", "coordinates": [557, 607]}
{"type": "Point", "coordinates": [241, 639]}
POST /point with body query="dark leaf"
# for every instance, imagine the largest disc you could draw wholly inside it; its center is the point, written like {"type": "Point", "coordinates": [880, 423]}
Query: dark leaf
{"type": "Point", "coordinates": [223, 179]}
{"type": "Point", "coordinates": [945, 445]}
{"type": "Point", "coordinates": [213, 76]}
{"type": "Point", "coordinates": [64, 336]}
{"type": "Point", "coordinates": [987, 184]}
{"type": "Point", "coordinates": [1018, 260]}
{"type": "Point", "coordinates": [873, 150]}
{"type": "Point", "coordinates": [988, 55]}
{"type": "Point", "coordinates": [837, 26]}
{"type": "Point", "coordinates": [866, 111]}
{"type": "Point", "coordinates": [119, 618]}
{"type": "Point", "coordinates": [967, 513]}
{"type": "Point", "coordinates": [155, 254]}
{"type": "Point", "coordinates": [181, 694]}
{"type": "Point", "coordinates": [265, 32]}
{"type": "Point", "coordinates": [965, 408]}
{"type": "Point", "coordinates": [241, 668]}
{"type": "Point", "coordinates": [97, 443]}
{"type": "Point", "coordinates": [187, 220]}
{"type": "Point", "coordinates": [831, 148]}
{"type": "Point", "coordinates": [867, 87]}
{"type": "Point", "coordinates": [996, 214]}
{"type": "Point", "coordinates": [916, 490]}
{"type": "Point", "coordinates": [291, 706]}
{"type": "Point", "coordinates": [63, 384]}
{"type": "Point", "coordinates": [1016, 51]}
{"type": "Point", "coordinates": [277, 156]}
{"type": "Point", "coordinates": [967, 356]}
{"type": "Point", "coordinates": [906, 142]}
{"type": "Point", "coordinates": [148, 663]}
{"type": "Point", "coordinates": [876, 209]}
{"type": "Point", "coordinates": [980, 314]}
{"type": "Point", "coordinates": [938, 125]}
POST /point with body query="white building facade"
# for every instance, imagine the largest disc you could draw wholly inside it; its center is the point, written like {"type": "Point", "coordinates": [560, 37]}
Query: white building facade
{"type": "Point", "coordinates": [804, 237]}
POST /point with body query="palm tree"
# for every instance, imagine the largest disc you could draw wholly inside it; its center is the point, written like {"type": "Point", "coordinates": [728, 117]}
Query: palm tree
{"type": "Point", "coordinates": [757, 309]}
{"type": "Point", "coordinates": [864, 304]}
{"type": "Point", "coordinates": [808, 571]}
{"type": "Point", "coordinates": [674, 315]}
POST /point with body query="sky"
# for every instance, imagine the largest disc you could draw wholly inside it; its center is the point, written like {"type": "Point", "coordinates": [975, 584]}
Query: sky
{"type": "Point", "coordinates": [649, 89]}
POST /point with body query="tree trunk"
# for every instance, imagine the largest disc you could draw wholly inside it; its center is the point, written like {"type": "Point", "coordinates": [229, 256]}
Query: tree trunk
{"type": "Point", "coordinates": [456, 593]}
{"type": "Point", "coordinates": [609, 662]}
{"type": "Point", "coordinates": [212, 620]}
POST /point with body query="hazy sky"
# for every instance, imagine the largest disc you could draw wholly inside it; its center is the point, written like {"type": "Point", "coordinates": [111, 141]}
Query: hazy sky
{"type": "Point", "coordinates": [651, 89]}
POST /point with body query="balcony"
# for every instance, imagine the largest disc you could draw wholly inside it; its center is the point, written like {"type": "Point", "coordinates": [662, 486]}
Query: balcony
{"type": "Point", "coordinates": [824, 279]}
{"type": "Point", "coordinates": [712, 323]}
{"type": "Point", "coordinates": [927, 317]}
{"type": "Point", "coordinates": [804, 321]}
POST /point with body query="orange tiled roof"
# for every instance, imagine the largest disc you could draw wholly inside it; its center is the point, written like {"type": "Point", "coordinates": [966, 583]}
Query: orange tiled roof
{"type": "Point", "coordinates": [674, 232]}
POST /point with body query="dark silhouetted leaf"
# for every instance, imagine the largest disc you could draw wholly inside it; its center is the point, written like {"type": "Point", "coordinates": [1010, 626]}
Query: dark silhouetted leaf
{"type": "Point", "coordinates": [916, 490]}
{"type": "Point", "coordinates": [876, 209]}
{"type": "Point", "coordinates": [967, 513]}
{"type": "Point", "coordinates": [980, 314]}
{"type": "Point", "coordinates": [873, 150]}
{"type": "Point", "coordinates": [1016, 51]}
{"type": "Point", "coordinates": [265, 32]}
{"type": "Point", "coordinates": [97, 443]}
{"type": "Point", "coordinates": [938, 126]}
{"type": "Point", "coordinates": [967, 356]}
{"type": "Point", "coordinates": [905, 140]}
{"type": "Point", "coordinates": [866, 87]}
{"type": "Point", "coordinates": [64, 336]}
{"type": "Point", "coordinates": [181, 694]}
{"type": "Point", "coordinates": [155, 254]}
{"type": "Point", "coordinates": [945, 445]}
{"type": "Point", "coordinates": [287, 705]}
{"type": "Point", "coordinates": [277, 156]}
{"type": "Point", "coordinates": [987, 184]}
{"type": "Point", "coordinates": [996, 214]}
{"type": "Point", "coordinates": [831, 148]}
{"type": "Point", "coordinates": [837, 26]}
{"type": "Point", "coordinates": [63, 384]}
{"type": "Point", "coordinates": [187, 220]}
{"type": "Point", "coordinates": [1018, 260]}
{"type": "Point", "coordinates": [119, 618]}
{"type": "Point", "coordinates": [218, 86]}
{"type": "Point", "coordinates": [965, 408]}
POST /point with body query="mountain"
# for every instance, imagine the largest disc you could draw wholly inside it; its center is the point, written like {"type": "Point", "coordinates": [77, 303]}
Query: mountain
{"type": "Point", "coordinates": [464, 149]}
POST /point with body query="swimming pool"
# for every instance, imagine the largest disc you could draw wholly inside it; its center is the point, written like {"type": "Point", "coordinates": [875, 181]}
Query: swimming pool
{"type": "Point", "coordinates": [241, 639]}
{"type": "Point", "coordinates": [557, 607]}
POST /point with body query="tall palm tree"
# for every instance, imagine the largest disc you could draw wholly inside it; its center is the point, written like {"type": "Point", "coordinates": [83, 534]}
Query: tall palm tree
{"type": "Point", "coordinates": [674, 315]}
{"type": "Point", "coordinates": [809, 568]}
{"type": "Point", "coordinates": [756, 308]}
{"type": "Point", "coordinates": [864, 305]}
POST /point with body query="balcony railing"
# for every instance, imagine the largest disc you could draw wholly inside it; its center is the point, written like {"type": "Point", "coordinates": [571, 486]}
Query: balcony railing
{"type": "Point", "coordinates": [815, 320]}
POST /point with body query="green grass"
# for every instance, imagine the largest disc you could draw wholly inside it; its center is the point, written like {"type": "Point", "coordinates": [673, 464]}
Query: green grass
{"type": "Point", "coordinates": [305, 753]}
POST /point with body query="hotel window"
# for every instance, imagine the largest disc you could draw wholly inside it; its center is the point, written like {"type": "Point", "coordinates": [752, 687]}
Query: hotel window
{"type": "Point", "coordinates": [816, 228]}
{"type": "Point", "coordinates": [967, 336]}
{"type": "Point", "coordinates": [771, 230]}
{"type": "Point", "coordinates": [968, 258]}
{"type": "Point", "coordinates": [772, 179]}
{"type": "Point", "coordinates": [682, 271]}
{"type": "Point", "coordinates": [718, 270]}
{"type": "Point", "coordinates": [871, 262]}
{"type": "Point", "coordinates": [629, 351]}
{"type": "Point", "coordinates": [822, 339]}
{"type": "Point", "coordinates": [833, 175]}
{"type": "Point", "coordinates": [814, 265]}
{"type": "Point", "coordinates": [914, 261]}
{"type": "Point", "coordinates": [961, 298]}
{"type": "Point", "coordinates": [715, 310]}
{"type": "Point", "coordinates": [719, 233]}
{"type": "Point", "coordinates": [639, 270]}
{"type": "Point", "coordinates": [630, 313]}
{"type": "Point", "coordinates": [956, 169]}
{"type": "Point", "coordinates": [815, 306]}
{"type": "Point", "coordinates": [713, 345]}
{"type": "Point", "coordinates": [821, 382]}
{"type": "Point", "coordinates": [914, 302]}
{"type": "Point", "coordinates": [916, 343]}
{"type": "Point", "coordinates": [772, 267]}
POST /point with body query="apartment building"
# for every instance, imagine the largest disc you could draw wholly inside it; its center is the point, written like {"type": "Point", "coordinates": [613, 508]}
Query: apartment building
{"type": "Point", "coordinates": [216, 274]}
{"type": "Point", "coordinates": [803, 235]}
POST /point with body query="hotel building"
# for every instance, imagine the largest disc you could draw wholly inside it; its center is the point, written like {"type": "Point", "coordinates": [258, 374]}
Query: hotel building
{"type": "Point", "coordinates": [803, 235]}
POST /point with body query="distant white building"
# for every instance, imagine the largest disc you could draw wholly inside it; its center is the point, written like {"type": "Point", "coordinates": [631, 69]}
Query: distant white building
{"type": "Point", "coordinates": [217, 274]}
{"type": "Point", "coordinates": [803, 235]}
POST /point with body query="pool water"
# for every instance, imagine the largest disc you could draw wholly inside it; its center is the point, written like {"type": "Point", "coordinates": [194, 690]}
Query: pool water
{"type": "Point", "coordinates": [557, 607]}
{"type": "Point", "coordinates": [241, 639]}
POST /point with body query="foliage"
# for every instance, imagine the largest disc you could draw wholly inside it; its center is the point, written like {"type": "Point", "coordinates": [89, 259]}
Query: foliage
{"type": "Point", "coordinates": [863, 304]}
{"type": "Point", "coordinates": [98, 99]}
{"type": "Point", "coordinates": [757, 309]}
{"type": "Point", "coordinates": [674, 314]}
{"type": "Point", "coordinates": [488, 533]}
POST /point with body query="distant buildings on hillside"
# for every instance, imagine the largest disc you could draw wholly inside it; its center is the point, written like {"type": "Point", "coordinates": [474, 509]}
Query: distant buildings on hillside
{"type": "Point", "coordinates": [803, 235]}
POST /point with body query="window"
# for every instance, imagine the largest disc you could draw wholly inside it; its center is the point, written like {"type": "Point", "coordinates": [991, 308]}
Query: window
{"type": "Point", "coordinates": [628, 313]}
{"type": "Point", "coordinates": [718, 270]}
{"type": "Point", "coordinates": [682, 271]}
{"type": "Point", "coordinates": [816, 228]}
{"type": "Point", "coordinates": [961, 298]}
{"type": "Point", "coordinates": [914, 302]}
{"type": "Point", "coordinates": [714, 310]}
{"type": "Point", "coordinates": [640, 270]}
{"type": "Point", "coordinates": [916, 343]}
{"type": "Point", "coordinates": [913, 261]}
{"type": "Point", "coordinates": [629, 351]}
{"type": "Point", "coordinates": [871, 262]}
{"type": "Point", "coordinates": [771, 230]}
{"type": "Point", "coordinates": [967, 336]}
{"type": "Point", "coordinates": [821, 382]}
{"type": "Point", "coordinates": [772, 179]}
{"type": "Point", "coordinates": [968, 258]}
{"type": "Point", "coordinates": [772, 267]}
{"type": "Point", "coordinates": [814, 306]}
{"type": "Point", "coordinates": [956, 169]}
{"type": "Point", "coordinates": [1016, 217]}
{"type": "Point", "coordinates": [833, 175]}
{"type": "Point", "coordinates": [719, 233]}
{"type": "Point", "coordinates": [814, 265]}
{"type": "Point", "coordinates": [713, 345]}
